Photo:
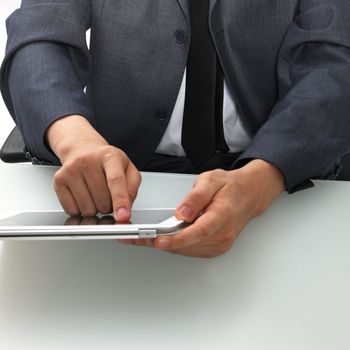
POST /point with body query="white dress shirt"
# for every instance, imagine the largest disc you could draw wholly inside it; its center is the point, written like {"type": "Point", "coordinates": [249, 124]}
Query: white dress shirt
{"type": "Point", "coordinates": [236, 137]}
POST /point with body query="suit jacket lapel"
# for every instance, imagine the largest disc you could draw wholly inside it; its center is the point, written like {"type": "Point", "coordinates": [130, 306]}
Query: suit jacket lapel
{"type": "Point", "coordinates": [211, 5]}
{"type": "Point", "coordinates": [185, 6]}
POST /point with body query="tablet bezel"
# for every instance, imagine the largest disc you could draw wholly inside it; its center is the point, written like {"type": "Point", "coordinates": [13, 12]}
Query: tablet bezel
{"type": "Point", "coordinates": [169, 226]}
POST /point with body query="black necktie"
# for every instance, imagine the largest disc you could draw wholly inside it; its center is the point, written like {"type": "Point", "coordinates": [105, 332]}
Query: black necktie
{"type": "Point", "coordinates": [202, 131]}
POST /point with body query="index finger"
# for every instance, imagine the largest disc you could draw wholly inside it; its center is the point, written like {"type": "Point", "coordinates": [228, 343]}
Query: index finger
{"type": "Point", "coordinates": [199, 198]}
{"type": "Point", "coordinates": [115, 169]}
{"type": "Point", "coordinates": [205, 226]}
{"type": "Point", "coordinates": [133, 181]}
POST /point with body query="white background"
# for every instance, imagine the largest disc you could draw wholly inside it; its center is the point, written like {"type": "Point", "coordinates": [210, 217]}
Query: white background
{"type": "Point", "coordinates": [6, 8]}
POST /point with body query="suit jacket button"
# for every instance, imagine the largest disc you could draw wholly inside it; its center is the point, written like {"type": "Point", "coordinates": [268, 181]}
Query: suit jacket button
{"type": "Point", "coordinates": [180, 36]}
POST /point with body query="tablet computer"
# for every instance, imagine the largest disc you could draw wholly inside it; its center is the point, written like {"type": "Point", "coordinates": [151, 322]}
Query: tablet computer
{"type": "Point", "coordinates": [144, 223]}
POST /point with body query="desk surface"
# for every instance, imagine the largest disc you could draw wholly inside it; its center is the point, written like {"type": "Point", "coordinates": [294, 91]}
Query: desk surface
{"type": "Point", "coordinates": [284, 285]}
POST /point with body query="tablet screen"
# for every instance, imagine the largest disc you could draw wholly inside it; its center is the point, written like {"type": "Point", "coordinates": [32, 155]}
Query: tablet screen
{"type": "Point", "coordinates": [60, 218]}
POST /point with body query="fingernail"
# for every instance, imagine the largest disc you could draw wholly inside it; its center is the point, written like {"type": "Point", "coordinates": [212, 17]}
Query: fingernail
{"type": "Point", "coordinates": [186, 212]}
{"type": "Point", "coordinates": [164, 244]}
{"type": "Point", "coordinates": [121, 214]}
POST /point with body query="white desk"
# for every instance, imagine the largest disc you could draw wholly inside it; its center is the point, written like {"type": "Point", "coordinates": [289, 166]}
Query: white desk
{"type": "Point", "coordinates": [285, 284]}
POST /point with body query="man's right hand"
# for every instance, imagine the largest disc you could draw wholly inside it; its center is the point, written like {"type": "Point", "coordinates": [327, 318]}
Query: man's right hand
{"type": "Point", "coordinates": [95, 176]}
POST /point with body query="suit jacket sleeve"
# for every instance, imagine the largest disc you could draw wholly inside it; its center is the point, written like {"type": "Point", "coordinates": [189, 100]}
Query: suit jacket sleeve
{"type": "Point", "coordinates": [46, 68]}
{"type": "Point", "coordinates": [308, 129]}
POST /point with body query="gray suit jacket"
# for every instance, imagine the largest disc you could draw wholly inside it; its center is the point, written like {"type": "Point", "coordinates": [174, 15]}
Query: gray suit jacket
{"type": "Point", "coordinates": [287, 63]}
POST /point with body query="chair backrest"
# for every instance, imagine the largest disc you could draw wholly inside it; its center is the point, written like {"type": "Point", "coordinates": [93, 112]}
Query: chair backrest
{"type": "Point", "coordinates": [12, 150]}
{"type": "Point", "coordinates": [345, 172]}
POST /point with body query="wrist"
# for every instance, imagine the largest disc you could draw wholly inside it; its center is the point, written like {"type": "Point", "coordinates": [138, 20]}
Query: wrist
{"type": "Point", "coordinates": [263, 181]}
{"type": "Point", "coordinates": [71, 133]}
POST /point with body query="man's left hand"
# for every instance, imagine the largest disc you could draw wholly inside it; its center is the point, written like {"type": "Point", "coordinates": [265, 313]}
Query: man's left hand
{"type": "Point", "coordinates": [220, 205]}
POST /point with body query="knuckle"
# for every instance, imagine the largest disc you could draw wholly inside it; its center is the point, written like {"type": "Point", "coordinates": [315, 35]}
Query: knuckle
{"type": "Point", "coordinates": [202, 177]}
{"type": "Point", "coordinates": [218, 173]}
{"type": "Point", "coordinates": [115, 179]}
{"type": "Point", "coordinates": [59, 179]}
{"type": "Point", "coordinates": [108, 155]}
{"type": "Point", "coordinates": [121, 202]}
{"type": "Point", "coordinates": [138, 177]}
{"type": "Point", "coordinates": [197, 198]}
{"type": "Point", "coordinates": [214, 175]}
{"type": "Point", "coordinates": [210, 180]}
{"type": "Point", "coordinates": [72, 211]}
{"type": "Point", "coordinates": [110, 152]}
{"type": "Point", "coordinates": [105, 208]}
{"type": "Point", "coordinates": [84, 160]}
{"type": "Point", "coordinates": [205, 176]}
{"type": "Point", "coordinates": [70, 208]}
{"type": "Point", "coordinates": [88, 212]}
{"type": "Point", "coordinates": [121, 197]}
{"type": "Point", "coordinates": [70, 169]}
